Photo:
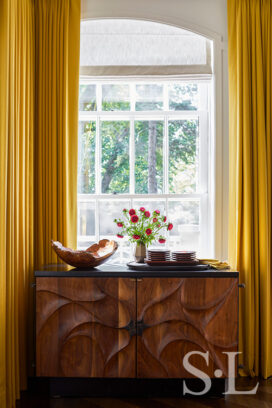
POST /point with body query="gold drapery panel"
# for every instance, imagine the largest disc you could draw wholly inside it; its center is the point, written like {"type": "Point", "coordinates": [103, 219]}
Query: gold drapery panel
{"type": "Point", "coordinates": [39, 54]}
{"type": "Point", "coordinates": [250, 115]}
{"type": "Point", "coordinates": [57, 44]}
{"type": "Point", "coordinates": [16, 196]}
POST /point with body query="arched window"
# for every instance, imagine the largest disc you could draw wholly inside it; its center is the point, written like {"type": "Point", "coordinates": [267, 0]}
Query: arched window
{"type": "Point", "coordinates": [144, 129]}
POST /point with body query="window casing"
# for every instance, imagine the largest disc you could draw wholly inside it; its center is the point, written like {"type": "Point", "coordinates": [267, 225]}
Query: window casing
{"type": "Point", "coordinates": [185, 202]}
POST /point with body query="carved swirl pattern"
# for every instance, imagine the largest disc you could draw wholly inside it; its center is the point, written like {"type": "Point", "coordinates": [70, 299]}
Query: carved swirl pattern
{"type": "Point", "coordinates": [186, 315]}
{"type": "Point", "coordinates": [80, 327]}
{"type": "Point", "coordinates": [87, 327]}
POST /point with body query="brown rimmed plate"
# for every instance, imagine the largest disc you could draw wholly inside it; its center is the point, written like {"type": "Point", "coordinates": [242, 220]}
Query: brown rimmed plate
{"type": "Point", "coordinates": [171, 263]}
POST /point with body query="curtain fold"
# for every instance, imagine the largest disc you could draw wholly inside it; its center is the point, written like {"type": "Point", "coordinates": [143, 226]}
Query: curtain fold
{"type": "Point", "coordinates": [16, 193]}
{"type": "Point", "coordinates": [39, 67]}
{"type": "Point", "coordinates": [250, 115]}
{"type": "Point", "coordinates": [57, 45]}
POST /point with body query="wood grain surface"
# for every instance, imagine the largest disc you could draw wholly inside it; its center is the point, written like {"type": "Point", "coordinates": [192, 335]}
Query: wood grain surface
{"type": "Point", "coordinates": [179, 315]}
{"type": "Point", "coordinates": [122, 327]}
{"type": "Point", "coordinates": [81, 327]}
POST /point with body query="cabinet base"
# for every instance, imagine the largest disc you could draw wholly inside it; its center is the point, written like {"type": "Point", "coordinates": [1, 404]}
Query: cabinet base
{"type": "Point", "coordinates": [123, 388]}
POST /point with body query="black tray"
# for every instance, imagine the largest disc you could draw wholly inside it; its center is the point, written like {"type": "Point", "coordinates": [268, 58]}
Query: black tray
{"type": "Point", "coordinates": [144, 267]}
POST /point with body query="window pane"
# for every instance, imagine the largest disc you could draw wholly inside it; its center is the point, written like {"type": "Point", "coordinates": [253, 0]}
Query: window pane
{"type": "Point", "coordinates": [87, 97]}
{"type": "Point", "coordinates": [115, 97]}
{"type": "Point", "coordinates": [150, 205]}
{"type": "Point", "coordinates": [186, 241]}
{"type": "Point", "coordinates": [86, 155]}
{"type": "Point", "coordinates": [149, 97]}
{"type": "Point", "coordinates": [86, 218]}
{"type": "Point", "coordinates": [115, 156]}
{"type": "Point", "coordinates": [108, 211]}
{"type": "Point", "coordinates": [148, 157]}
{"type": "Point", "coordinates": [185, 217]}
{"type": "Point", "coordinates": [183, 156]}
{"type": "Point", "coordinates": [183, 96]}
{"type": "Point", "coordinates": [183, 213]}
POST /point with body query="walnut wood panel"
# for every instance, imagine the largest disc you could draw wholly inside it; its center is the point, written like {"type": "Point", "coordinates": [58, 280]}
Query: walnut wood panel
{"type": "Point", "coordinates": [179, 315]}
{"type": "Point", "coordinates": [82, 327]}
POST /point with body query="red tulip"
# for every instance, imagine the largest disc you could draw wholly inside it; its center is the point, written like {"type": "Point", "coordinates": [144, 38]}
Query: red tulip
{"type": "Point", "coordinates": [162, 240]}
{"type": "Point", "coordinates": [119, 224]}
{"type": "Point", "coordinates": [142, 209]}
{"type": "Point", "coordinates": [170, 226]}
{"type": "Point", "coordinates": [148, 231]}
{"type": "Point", "coordinates": [132, 212]}
{"type": "Point", "coordinates": [120, 236]}
{"type": "Point", "coordinates": [147, 214]}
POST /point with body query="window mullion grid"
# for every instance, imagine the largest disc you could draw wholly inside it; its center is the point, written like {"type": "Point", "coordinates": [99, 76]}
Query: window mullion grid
{"type": "Point", "coordinates": [98, 160]}
{"type": "Point", "coordinates": [156, 115]}
{"type": "Point", "coordinates": [132, 141]}
{"type": "Point", "coordinates": [167, 216]}
{"type": "Point", "coordinates": [132, 146]}
{"type": "Point", "coordinates": [203, 151]}
{"type": "Point", "coordinates": [165, 156]}
{"type": "Point", "coordinates": [97, 177]}
{"type": "Point", "coordinates": [132, 158]}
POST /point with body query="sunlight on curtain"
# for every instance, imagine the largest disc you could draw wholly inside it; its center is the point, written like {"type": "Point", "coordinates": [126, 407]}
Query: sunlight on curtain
{"type": "Point", "coordinates": [16, 193]}
{"type": "Point", "coordinates": [250, 109]}
{"type": "Point", "coordinates": [57, 47]}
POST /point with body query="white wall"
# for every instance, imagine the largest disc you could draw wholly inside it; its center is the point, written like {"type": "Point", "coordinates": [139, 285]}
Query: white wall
{"type": "Point", "coordinates": [207, 17]}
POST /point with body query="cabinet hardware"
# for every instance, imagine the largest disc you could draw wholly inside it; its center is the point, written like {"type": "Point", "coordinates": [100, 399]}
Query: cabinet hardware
{"type": "Point", "coordinates": [139, 280]}
{"type": "Point", "coordinates": [131, 328]}
{"type": "Point", "coordinates": [33, 284]}
{"type": "Point", "coordinates": [132, 279]}
{"type": "Point", "coordinates": [141, 326]}
{"type": "Point", "coordinates": [241, 285]}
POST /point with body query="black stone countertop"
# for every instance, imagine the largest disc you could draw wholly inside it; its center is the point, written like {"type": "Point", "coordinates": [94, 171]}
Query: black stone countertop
{"type": "Point", "coordinates": [122, 271]}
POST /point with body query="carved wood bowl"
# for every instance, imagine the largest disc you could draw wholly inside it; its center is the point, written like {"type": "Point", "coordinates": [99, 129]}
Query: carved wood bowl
{"type": "Point", "coordinates": [93, 256]}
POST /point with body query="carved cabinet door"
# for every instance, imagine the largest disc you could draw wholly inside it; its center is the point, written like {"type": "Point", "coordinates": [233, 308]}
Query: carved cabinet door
{"type": "Point", "coordinates": [179, 315]}
{"type": "Point", "coordinates": [84, 327]}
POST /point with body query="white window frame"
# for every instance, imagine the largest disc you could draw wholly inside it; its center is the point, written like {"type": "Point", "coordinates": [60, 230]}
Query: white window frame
{"type": "Point", "coordinates": [205, 137]}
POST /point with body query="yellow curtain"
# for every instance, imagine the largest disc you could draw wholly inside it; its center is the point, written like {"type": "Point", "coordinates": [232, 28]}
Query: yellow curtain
{"type": "Point", "coordinates": [250, 110]}
{"type": "Point", "coordinates": [16, 192]}
{"type": "Point", "coordinates": [38, 162]}
{"type": "Point", "coordinates": [57, 36]}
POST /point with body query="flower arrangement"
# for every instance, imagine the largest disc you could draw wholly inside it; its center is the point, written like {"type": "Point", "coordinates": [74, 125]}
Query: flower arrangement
{"type": "Point", "coordinates": [142, 226]}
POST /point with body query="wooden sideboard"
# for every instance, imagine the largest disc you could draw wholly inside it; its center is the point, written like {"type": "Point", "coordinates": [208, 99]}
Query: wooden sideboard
{"type": "Point", "coordinates": [116, 323]}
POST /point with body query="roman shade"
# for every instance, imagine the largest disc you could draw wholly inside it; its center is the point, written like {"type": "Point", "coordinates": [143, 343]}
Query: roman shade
{"type": "Point", "coordinates": [122, 47]}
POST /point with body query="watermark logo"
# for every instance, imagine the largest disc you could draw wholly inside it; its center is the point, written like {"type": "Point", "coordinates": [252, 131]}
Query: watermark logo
{"type": "Point", "coordinates": [218, 373]}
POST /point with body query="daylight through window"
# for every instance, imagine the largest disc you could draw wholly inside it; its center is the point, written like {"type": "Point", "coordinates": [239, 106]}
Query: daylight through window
{"type": "Point", "coordinates": [144, 144]}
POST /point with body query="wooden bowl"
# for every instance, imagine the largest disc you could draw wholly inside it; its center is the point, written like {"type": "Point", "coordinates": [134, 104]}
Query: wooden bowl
{"type": "Point", "coordinates": [93, 256]}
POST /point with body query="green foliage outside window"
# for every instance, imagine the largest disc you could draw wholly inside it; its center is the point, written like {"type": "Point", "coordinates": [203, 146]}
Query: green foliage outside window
{"type": "Point", "coordinates": [149, 145]}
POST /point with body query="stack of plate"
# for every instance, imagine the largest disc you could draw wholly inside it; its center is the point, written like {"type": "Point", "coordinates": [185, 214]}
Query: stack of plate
{"type": "Point", "coordinates": [158, 255]}
{"type": "Point", "coordinates": [184, 256]}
